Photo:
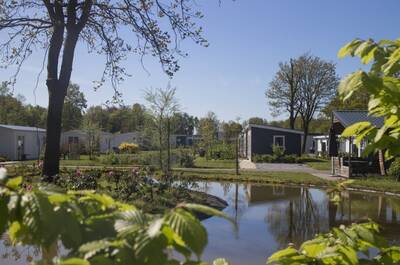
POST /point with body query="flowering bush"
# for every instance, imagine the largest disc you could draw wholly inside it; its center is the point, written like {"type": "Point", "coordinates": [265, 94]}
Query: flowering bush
{"type": "Point", "coordinates": [128, 148]}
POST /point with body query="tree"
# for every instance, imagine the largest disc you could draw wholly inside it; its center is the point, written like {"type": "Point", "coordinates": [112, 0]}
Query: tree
{"type": "Point", "coordinates": [35, 116]}
{"type": "Point", "coordinates": [231, 130]}
{"type": "Point", "coordinates": [208, 130]}
{"type": "Point", "coordinates": [183, 123]}
{"type": "Point", "coordinates": [92, 131]}
{"type": "Point", "coordinates": [383, 85]}
{"type": "Point", "coordinates": [284, 90]}
{"type": "Point", "coordinates": [56, 26]}
{"type": "Point", "coordinates": [74, 105]}
{"type": "Point", "coordinates": [99, 116]}
{"type": "Point", "coordinates": [317, 87]}
{"type": "Point", "coordinates": [163, 105]}
{"type": "Point", "coordinates": [357, 102]}
{"type": "Point", "coordinates": [257, 121]}
{"type": "Point", "coordinates": [12, 110]}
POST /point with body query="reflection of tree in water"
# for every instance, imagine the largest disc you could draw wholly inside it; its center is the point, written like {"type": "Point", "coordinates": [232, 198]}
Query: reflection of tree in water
{"type": "Point", "coordinates": [237, 203]}
{"type": "Point", "coordinates": [226, 187]}
{"type": "Point", "coordinates": [296, 221]}
{"type": "Point", "coordinates": [204, 186]}
{"type": "Point", "coordinates": [25, 254]}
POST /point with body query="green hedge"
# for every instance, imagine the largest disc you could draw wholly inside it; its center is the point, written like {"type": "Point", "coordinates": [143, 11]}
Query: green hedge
{"type": "Point", "coordinates": [284, 159]}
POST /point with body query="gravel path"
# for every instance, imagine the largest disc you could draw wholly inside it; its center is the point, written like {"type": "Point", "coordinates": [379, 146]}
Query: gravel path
{"type": "Point", "coordinates": [247, 164]}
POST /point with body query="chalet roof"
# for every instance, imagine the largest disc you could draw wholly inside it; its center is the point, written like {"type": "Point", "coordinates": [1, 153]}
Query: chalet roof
{"type": "Point", "coordinates": [269, 127]}
{"type": "Point", "coordinates": [22, 128]}
{"type": "Point", "coordinates": [349, 117]}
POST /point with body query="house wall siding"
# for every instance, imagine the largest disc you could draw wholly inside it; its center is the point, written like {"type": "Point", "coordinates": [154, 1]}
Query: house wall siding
{"type": "Point", "coordinates": [6, 143]}
{"type": "Point", "coordinates": [262, 141]}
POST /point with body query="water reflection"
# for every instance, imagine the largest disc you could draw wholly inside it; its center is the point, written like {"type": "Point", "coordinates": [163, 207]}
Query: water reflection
{"type": "Point", "coordinates": [268, 217]}
{"type": "Point", "coordinates": [271, 216]}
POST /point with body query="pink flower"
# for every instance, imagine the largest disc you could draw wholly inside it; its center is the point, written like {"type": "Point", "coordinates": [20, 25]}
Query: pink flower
{"type": "Point", "coordinates": [111, 173]}
{"type": "Point", "coordinates": [29, 187]}
{"type": "Point", "coordinates": [78, 172]}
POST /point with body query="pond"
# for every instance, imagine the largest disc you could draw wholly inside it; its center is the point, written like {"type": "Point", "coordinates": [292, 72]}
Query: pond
{"type": "Point", "coordinates": [268, 217]}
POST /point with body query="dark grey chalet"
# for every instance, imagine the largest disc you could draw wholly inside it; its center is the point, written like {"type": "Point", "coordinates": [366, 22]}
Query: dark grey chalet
{"type": "Point", "coordinates": [258, 139]}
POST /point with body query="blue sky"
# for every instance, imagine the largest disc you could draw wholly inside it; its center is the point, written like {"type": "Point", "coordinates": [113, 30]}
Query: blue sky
{"type": "Point", "coordinates": [248, 38]}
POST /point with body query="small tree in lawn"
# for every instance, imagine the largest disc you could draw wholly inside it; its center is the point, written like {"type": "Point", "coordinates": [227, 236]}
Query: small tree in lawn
{"type": "Point", "coordinates": [163, 105]}
{"type": "Point", "coordinates": [114, 29]}
{"type": "Point", "coordinates": [208, 130]}
{"type": "Point", "coordinates": [92, 131]}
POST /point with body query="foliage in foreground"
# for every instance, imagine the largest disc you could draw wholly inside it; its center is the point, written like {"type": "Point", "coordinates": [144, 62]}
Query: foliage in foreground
{"type": "Point", "coordinates": [93, 228]}
{"type": "Point", "coordinates": [383, 84]}
{"type": "Point", "coordinates": [342, 246]}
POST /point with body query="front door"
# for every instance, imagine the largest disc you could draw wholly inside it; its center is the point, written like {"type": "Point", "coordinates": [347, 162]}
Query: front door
{"type": "Point", "coordinates": [20, 147]}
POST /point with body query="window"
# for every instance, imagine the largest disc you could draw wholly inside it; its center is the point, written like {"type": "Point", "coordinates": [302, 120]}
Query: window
{"type": "Point", "coordinates": [73, 140]}
{"type": "Point", "coordinates": [279, 140]}
{"type": "Point", "coordinates": [323, 147]}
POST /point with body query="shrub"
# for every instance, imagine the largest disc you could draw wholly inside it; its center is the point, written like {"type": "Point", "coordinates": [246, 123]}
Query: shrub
{"type": "Point", "coordinates": [128, 148]}
{"type": "Point", "coordinates": [275, 159]}
{"type": "Point", "coordinates": [289, 159]}
{"type": "Point", "coordinates": [278, 151]}
{"type": "Point", "coordinates": [110, 159]}
{"type": "Point", "coordinates": [202, 152]}
{"type": "Point", "coordinates": [394, 169]}
{"type": "Point", "coordinates": [3, 159]}
{"type": "Point", "coordinates": [221, 151]}
{"type": "Point", "coordinates": [186, 158]}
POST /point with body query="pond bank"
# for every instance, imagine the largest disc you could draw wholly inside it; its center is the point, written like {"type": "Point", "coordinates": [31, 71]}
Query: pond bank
{"type": "Point", "coordinates": [373, 184]}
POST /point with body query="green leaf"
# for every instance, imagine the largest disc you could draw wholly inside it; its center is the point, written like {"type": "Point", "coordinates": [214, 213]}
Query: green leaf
{"type": "Point", "coordinates": [129, 222]}
{"type": "Point", "coordinates": [283, 254]}
{"type": "Point", "coordinates": [220, 261]}
{"type": "Point", "coordinates": [207, 210]}
{"type": "Point", "coordinates": [155, 227]}
{"type": "Point", "coordinates": [349, 254]}
{"type": "Point", "coordinates": [15, 231]}
{"type": "Point", "coordinates": [93, 248]}
{"type": "Point", "coordinates": [59, 198]}
{"type": "Point", "coordinates": [14, 183]}
{"type": "Point", "coordinates": [367, 58]}
{"type": "Point", "coordinates": [349, 48]}
{"type": "Point", "coordinates": [74, 261]}
{"type": "Point", "coordinates": [355, 129]}
{"type": "Point", "coordinates": [3, 213]}
{"type": "Point", "coordinates": [313, 249]}
{"type": "Point", "coordinates": [188, 228]}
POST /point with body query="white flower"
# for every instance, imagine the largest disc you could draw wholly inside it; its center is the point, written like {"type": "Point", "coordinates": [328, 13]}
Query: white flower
{"type": "Point", "coordinates": [3, 174]}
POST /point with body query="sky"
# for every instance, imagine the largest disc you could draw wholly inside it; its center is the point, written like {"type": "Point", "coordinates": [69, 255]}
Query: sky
{"type": "Point", "coordinates": [248, 39]}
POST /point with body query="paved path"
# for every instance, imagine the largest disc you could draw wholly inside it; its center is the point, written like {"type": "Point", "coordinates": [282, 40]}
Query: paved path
{"type": "Point", "coordinates": [247, 164]}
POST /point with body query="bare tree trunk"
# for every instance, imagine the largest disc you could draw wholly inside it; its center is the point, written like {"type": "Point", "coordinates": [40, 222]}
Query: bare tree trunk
{"type": "Point", "coordinates": [305, 135]}
{"type": "Point", "coordinates": [168, 145]}
{"type": "Point", "coordinates": [381, 163]}
{"type": "Point", "coordinates": [160, 138]}
{"type": "Point", "coordinates": [57, 81]}
{"type": "Point", "coordinates": [53, 133]}
{"type": "Point", "coordinates": [291, 120]}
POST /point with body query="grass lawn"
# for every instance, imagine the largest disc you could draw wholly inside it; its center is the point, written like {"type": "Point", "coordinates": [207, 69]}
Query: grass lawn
{"type": "Point", "coordinates": [253, 176]}
{"type": "Point", "coordinates": [320, 165]}
{"type": "Point", "coordinates": [378, 183]}
{"type": "Point", "coordinates": [201, 162]}
{"type": "Point", "coordinates": [375, 183]}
